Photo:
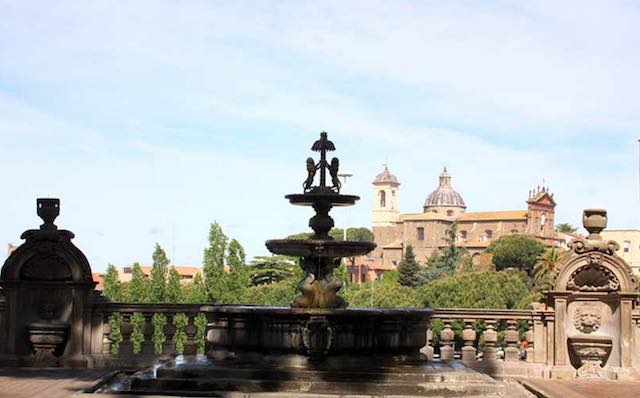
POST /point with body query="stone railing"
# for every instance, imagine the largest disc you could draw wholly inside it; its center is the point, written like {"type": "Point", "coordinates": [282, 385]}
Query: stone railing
{"type": "Point", "coordinates": [474, 335]}
{"type": "Point", "coordinates": [127, 333]}
{"type": "Point", "coordinates": [136, 334]}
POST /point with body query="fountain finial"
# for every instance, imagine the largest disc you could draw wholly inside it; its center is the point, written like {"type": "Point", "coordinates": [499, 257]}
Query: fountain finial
{"type": "Point", "coordinates": [48, 210]}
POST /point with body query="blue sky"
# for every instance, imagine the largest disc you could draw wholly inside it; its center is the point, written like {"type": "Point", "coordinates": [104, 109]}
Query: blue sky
{"type": "Point", "coordinates": [150, 119]}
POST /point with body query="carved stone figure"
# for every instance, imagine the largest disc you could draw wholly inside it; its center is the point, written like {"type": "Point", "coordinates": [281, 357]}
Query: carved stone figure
{"type": "Point", "coordinates": [311, 173]}
{"type": "Point", "coordinates": [333, 171]}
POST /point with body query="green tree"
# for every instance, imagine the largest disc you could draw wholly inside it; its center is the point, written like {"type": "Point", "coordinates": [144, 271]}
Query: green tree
{"type": "Point", "coordinates": [545, 266]}
{"type": "Point", "coordinates": [213, 263]}
{"type": "Point", "coordinates": [195, 292]}
{"type": "Point", "coordinates": [449, 259]}
{"type": "Point", "coordinates": [408, 269]}
{"type": "Point", "coordinates": [382, 294]}
{"type": "Point", "coordinates": [566, 228]}
{"type": "Point", "coordinates": [138, 286]}
{"type": "Point", "coordinates": [236, 258]}
{"type": "Point", "coordinates": [515, 251]}
{"type": "Point", "coordinates": [112, 287]}
{"type": "Point", "coordinates": [158, 275]}
{"type": "Point", "coordinates": [360, 234]}
{"type": "Point", "coordinates": [265, 270]}
{"type": "Point", "coordinates": [174, 293]}
{"type": "Point", "coordinates": [484, 289]}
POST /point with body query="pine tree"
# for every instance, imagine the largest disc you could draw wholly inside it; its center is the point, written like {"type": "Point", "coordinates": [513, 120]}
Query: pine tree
{"type": "Point", "coordinates": [112, 287]}
{"type": "Point", "coordinates": [138, 286]}
{"type": "Point", "coordinates": [158, 275]}
{"type": "Point", "coordinates": [213, 264]}
{"type": "Point", "coordinates": [408, 269]}
{"type": "Point", "coordinates": [174, 288]}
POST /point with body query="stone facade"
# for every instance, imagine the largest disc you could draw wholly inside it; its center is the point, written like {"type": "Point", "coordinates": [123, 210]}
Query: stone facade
{"type": "Point", "coordinates": [426, 231]}
{"type": "Point", "coordinates": [629, 241]}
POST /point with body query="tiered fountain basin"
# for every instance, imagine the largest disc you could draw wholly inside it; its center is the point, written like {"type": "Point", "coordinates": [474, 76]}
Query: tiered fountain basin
{"type": "Point", "coordinates": [319, 247]}
{"type": "Point", "coordinates": [315, 332]}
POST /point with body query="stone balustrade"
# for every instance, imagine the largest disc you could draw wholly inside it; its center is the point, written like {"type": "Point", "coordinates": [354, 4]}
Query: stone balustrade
{"type": "Point", "coordinates": [140, 333]}
{"type": "Point", "coordinates": [481, 335]}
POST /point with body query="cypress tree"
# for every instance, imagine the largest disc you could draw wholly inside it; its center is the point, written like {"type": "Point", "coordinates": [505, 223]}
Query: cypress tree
{"type": "Point", "coordinates": [174, 288]}
{"type": "Point", "coordinates": [112, 287]}
{"type": "Point", "coordinates": [213, 263]}
{"type": "Point", "coordinates": [138, 286]}
{"type": "Point", "coordinates": [158, 275]}
{"type": "Point", "coordinates": [408, 269]}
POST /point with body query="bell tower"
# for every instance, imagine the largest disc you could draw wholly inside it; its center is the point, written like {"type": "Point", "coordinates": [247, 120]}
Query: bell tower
{"type": "Point", "coordinates": [385, 199]}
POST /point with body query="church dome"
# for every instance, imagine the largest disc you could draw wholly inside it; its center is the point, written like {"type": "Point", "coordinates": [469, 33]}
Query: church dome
{"type": "Point", "coordinates": [386, 178]}
{"type": "Point", "coordinates": [444, 195]}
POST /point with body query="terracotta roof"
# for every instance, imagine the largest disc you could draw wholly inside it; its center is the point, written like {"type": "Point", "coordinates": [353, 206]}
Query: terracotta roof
{"type": "Point", "coordinates": [423, 217]}
{"type": "Point", "coordinates": [493, 215]}
{"type": "Point", "coordinates": [99, 278]}
{"type": "Point", "coordinates": [386, 178]}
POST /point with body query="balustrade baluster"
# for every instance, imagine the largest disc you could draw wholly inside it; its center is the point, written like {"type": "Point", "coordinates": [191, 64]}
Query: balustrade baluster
{"type": "Point", "coordinates": [190, 346]}
{"type": "Point", "coordinates": [126, 328]}
{"type": "Point", "coordinates": [490, 338]}
{"type": "Point", "coordinates": [169, 346]}
{"type": "Point", "coordinates": [106, 331]}
{"type": "Point", "coordinates": [469, 339]}
{"type": "Point", "coordinates": [147, 331]}
{"type": "Point", "coordinates": [446, 339]}
{"type": "Point", "coordinates": [427, 350]}
{"type": "Point", "coordinates": [529, 338]}
{"type": "Point", "coordinates": [511, 337]}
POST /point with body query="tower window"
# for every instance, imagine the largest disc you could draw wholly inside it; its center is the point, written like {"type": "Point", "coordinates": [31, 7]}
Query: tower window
{"type": "Point", "coordinates": [625, 246]}
{"type": "Point", "coordinates": [420, 232]}
{"type": "Point", "coordinates": [463, 235]}
{"type": "Point", "coordinates": [489, 233]}
{"type": "Point", "coordinates": [449, 213]}
{"type": "Point", "coordinates": [383, 199]}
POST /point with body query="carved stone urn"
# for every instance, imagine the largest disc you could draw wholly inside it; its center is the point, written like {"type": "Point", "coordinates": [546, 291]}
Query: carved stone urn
{"type": "Point", "coordinates": [47, 339]}
{"type": "Point", "coordinates": [594, 221]}
{"type": "Point", "coordinates": [592, 351]}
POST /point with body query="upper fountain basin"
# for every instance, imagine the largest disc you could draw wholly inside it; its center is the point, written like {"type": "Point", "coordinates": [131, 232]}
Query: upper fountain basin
{"type": "Point", "coordinates": [319, 248]}
{"type": "Point", "coordinates": [310, 198]}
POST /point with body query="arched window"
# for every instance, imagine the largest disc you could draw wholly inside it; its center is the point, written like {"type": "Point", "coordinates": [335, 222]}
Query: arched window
{"type": "Point", "coordinates": [383, 199]}
{"type": "Point", "coordinates": [449, 213]}
{"type": "Point", "coordinates": [420, 232]}
{"type": "Point", "coordinates": [489, 233]}
{"type": "Point", "coordinates": [463, 235]}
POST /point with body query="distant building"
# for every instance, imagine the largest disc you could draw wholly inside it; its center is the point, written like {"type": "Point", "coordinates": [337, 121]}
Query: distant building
{"type": "Point", "coordinates": [629, 240]}
{"type": "Point", "coordinates": [426, 231]}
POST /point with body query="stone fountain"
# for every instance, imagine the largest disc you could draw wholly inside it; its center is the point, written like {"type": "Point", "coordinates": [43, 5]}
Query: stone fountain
{"type": "Point", "coordinates": [318, 324]}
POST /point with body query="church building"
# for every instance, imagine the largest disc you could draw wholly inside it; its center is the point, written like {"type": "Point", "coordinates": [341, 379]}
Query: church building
{"type": "Point", "coordinates": [426, 230]}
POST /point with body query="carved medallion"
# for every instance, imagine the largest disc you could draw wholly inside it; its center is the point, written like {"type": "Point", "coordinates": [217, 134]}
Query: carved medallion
{"type": "Point", "coordinates": [587, 318]}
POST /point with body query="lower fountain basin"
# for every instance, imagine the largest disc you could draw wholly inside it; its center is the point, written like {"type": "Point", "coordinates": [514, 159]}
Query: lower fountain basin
{"type": "Point", "coordinates": [319, 248]}
{"type": "Point", "coordinates": [592, 352]}
{"type": "Point", "coordinates": [316, 332]}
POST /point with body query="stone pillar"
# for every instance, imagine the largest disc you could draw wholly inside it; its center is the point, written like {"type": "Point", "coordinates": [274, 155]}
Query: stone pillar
{"type": "Point", "coordinates": [469, 339]}
{"type": "Point", "coordinates": [627, 344]}
{"type": "Point", "coordinates": [511, 337]}
{"type": "Point", "coordinates": [561, 352]}
{"type": "Point", "coordinates": [446, 340]}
